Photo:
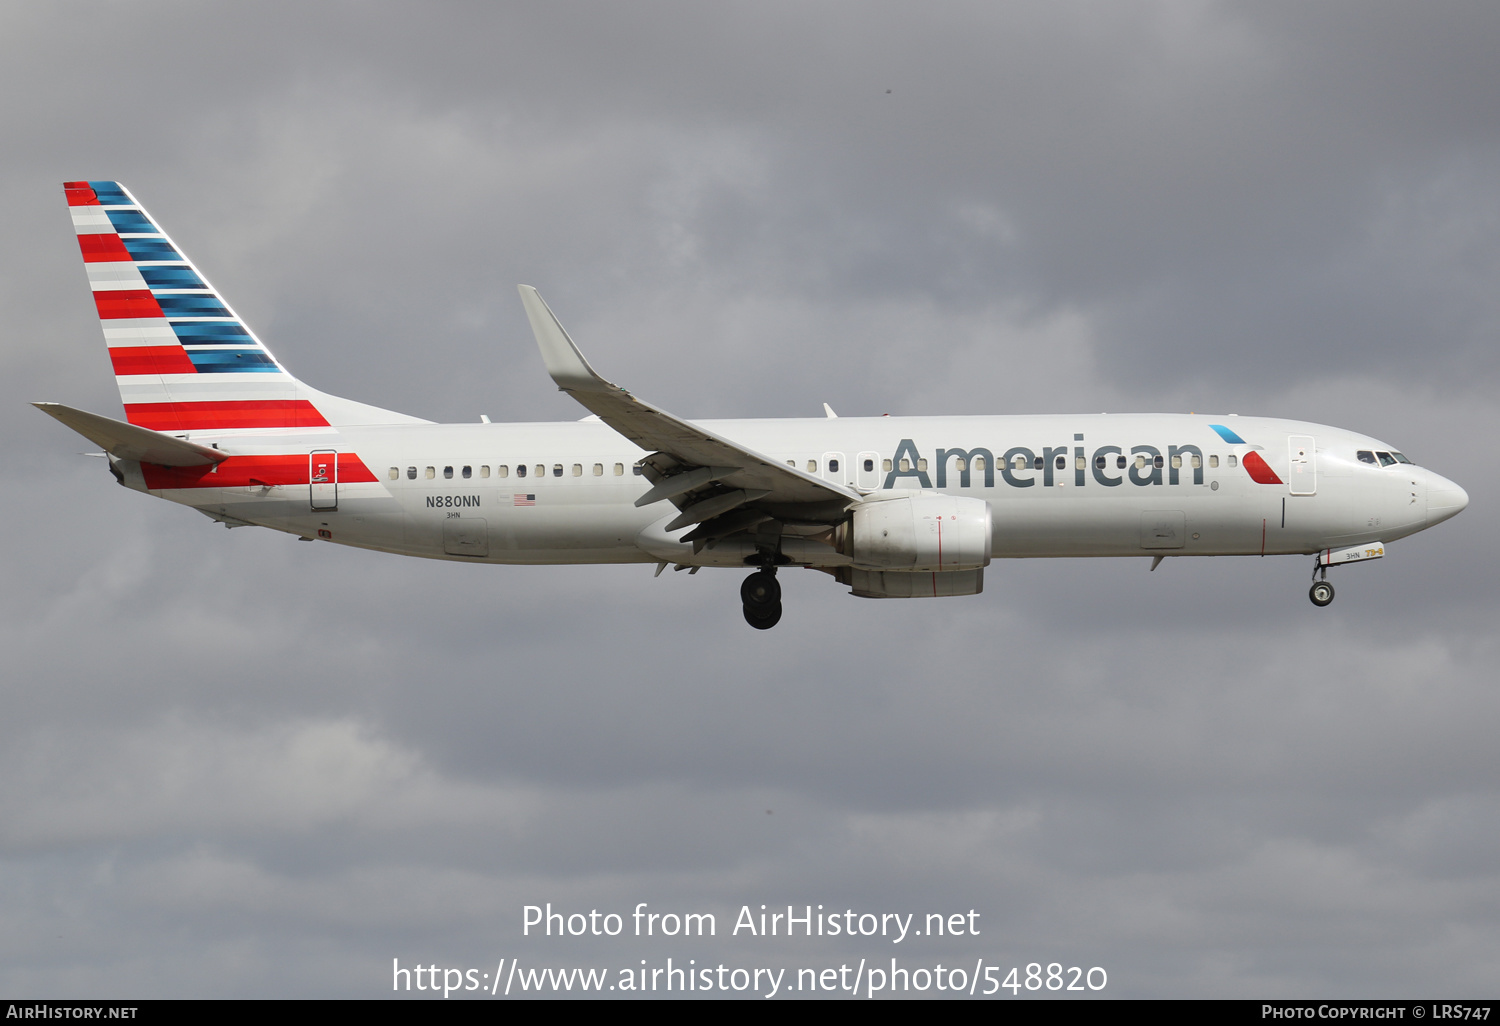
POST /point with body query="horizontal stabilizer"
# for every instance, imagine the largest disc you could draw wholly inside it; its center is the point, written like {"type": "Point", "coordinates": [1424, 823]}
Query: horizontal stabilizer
{"type": "Point", "coordinates": [132, 442]}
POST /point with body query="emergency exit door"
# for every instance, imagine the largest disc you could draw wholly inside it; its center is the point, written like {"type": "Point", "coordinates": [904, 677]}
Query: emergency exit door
{"type": "Point", "coordinates": [323, 479]}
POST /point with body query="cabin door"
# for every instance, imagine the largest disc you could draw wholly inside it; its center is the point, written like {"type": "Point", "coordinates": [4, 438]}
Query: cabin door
{"type": "Point", "coordinates": [1302, 464]}
{"type": "Point", "coordinates": [323, 479]}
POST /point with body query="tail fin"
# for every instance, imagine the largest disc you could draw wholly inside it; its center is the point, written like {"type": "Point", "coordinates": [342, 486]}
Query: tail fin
{"type": "Point", "coordinates": [183, 360]}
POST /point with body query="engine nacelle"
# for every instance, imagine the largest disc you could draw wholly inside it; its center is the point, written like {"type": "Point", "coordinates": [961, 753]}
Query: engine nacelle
{"type": "Point", "coordinates": [909, 583]}
{"type": "Point", "coordinates": [921, 531]}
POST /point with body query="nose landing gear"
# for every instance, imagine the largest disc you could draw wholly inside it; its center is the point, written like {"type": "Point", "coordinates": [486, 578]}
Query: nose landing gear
{"type": "Point", "coordinates": [1321, 592]}
{"type": "Point", "coordinates": [761, 594]}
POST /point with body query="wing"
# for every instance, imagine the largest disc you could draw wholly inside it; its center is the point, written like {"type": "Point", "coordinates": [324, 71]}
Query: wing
{"type": "Point", "coordinates": [718, 484]}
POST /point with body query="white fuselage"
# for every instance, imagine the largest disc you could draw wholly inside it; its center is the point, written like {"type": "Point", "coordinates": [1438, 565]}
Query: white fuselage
{"type": "Point", "coordinates": [457, 491]}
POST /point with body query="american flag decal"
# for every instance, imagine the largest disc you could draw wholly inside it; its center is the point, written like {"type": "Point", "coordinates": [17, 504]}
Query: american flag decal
{"type": "Point", "coordinates": [522, 499]}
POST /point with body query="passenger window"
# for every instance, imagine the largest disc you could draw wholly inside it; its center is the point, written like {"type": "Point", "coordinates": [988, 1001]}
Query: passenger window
{"type": "Point", "coordinates": [447, 473]}
{"type": "Point", "coordinates": [885, 465]}
{"type": "Point", "coordinates": [578, 470]}
{"type": "Point", "coordinates": [1099, 462]}
{"type": "Point", "coordinates": [431, 473]}
{"type": "Point", "coordinates": [1386, 459]}
{"type": "Point", "coordinates": [619, 470]}
{"type": "Point", "coordinates": [637, 470]}
{"type": "Point", "coordinates": [833, 466]}
{"type": "Point", "coordinates": [1062, 463]}
{"type": "Point", "coordinates": [1037, 463]}
{"type": "Point", "coordinates": [411, 473]}
{"type": "Point", "coordinates": [598, 470]}
{"type": "Point", "coordinates": [1158, 462]}
{"type": "Point", "coordinates": [503, 470]}
{"type": "Point", "coordinates": [1120, 462]}
{"type": "Point", "coordinates": [557, 470]}
{"type": "Point", "coordinates": [792, 464]}
{"type": "Point", "coordinates": [869, 465]}
{"type": "Point", "coordinates": [905, 465]}
{"type": "Point", "coordinates": [468, 473]}
{"type": "Point", "coordinates": [960, 465]}
{"type": "Point", "coordinates": [1197, 462]}
{"type": "Point", "coordinates": [395, 473]}
{"type": "Point", "coordinates": [979, 463]}
{"type": "Point", "coordinates": [922, 465]}
{"type": "Point", "coordinates": [812, 466]}
{"type": "Point", "coordinates": [1176, 462]}
{"type": "Point", "coordinates": [1019, 462]}
{"type": "Point", "coordinates": [1213, 461]}
{"type": "Point", "coordinates": [520, 470]}
{"type": "Point", "coordinates": [1234, 460]}
{"type": "Point", "coordinates": [541, 470]}
{"type": "Point", "coordinates": [1080, 463]}
{"type": "Point", "coordinates": [484, 471]}
{"type": "Point", "coordinates": [1140, 462]}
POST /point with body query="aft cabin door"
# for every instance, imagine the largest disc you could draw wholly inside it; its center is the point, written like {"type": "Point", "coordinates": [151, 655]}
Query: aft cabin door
{"type": "Point", "coordinates": [323, 479]}
{"type": "Point", "coordinates": [1303, 466]}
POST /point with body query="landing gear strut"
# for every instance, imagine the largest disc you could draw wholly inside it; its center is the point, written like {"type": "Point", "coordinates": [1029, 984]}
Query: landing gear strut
{"type": "Point", "coordinates": [761, 594]}
{"type": "Point", "coordinates": [1321, 592]}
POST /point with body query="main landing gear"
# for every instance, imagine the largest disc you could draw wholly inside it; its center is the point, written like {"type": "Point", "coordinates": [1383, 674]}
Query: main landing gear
{"type": "Point", "coordinates": [761, 594]}
{"type": "Point", "coordinates": [1321, 592]}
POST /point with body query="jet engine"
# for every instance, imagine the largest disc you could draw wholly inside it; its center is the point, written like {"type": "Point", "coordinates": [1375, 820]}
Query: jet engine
{"type": "Point", "coordinates": [921, 531]}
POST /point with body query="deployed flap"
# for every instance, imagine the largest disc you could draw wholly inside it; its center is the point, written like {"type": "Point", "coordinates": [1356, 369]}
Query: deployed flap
{"type": "Point", "coordinates": [132, 442]}
{"type": "Point", "coordinates": [656, 430]}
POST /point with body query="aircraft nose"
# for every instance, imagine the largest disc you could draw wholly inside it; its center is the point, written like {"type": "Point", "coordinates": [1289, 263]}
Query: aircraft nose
{"type": "Point", "coordinates": [1444, 499]}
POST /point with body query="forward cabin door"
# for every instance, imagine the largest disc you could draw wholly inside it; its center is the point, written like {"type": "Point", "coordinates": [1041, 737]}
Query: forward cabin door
{"type": "Point", "coordinates": [1303, 466]}
{"type": "Point", "coordinates": [323, 479]}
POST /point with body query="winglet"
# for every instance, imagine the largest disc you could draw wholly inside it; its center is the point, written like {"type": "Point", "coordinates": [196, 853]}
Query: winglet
{"type": "Point", "coordinates": [564, 362]}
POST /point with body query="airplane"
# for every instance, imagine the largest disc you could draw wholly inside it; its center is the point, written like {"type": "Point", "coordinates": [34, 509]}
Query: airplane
{"type": "Point", "coordinates": [890, 507]}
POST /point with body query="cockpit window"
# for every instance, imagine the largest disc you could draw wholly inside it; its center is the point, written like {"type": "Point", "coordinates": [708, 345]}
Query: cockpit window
{"type": "Point", "coordinates": [1401, 459]}
{"type": "Point", "coordinates": [1386, 459]}
{"type": "Point", "coordinates": [1365, 456]}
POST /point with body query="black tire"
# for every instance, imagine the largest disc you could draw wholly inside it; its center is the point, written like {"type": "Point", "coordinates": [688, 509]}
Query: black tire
{"type": "Point", "coordinates": [1321, 593]}
{"type": "Point", "coordinates": [761, 590]}
{"type": "Point", "coordinates": [763, 620]}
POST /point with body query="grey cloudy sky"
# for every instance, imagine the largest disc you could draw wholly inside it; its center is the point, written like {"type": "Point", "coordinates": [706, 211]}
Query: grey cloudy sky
{"type": "Point", "coordinates": [232, 764]}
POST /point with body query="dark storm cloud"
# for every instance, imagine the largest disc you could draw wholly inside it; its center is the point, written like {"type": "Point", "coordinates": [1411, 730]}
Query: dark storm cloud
{"type": "Point", "coordinates": [236, 764]}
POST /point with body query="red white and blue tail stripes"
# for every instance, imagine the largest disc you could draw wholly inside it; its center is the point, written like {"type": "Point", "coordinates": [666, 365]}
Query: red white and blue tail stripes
{"type": "Point", "coordinates": [183, 360]}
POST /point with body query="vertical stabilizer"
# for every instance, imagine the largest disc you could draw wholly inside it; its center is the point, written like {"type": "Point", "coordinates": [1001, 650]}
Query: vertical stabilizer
{"type": "Point", "coordinates": [183, 359]}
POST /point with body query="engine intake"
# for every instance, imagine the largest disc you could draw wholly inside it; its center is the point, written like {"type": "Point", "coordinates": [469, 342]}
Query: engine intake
{"type": "Point", "coordinates": [922, 531]}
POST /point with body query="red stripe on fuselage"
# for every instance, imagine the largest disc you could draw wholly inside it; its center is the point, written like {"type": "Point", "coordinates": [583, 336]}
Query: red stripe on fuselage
{"type": "Point", "coordinates": [127, 303]}
{"type": "Point", "coordinates": [1260, 473]}
{"type": "Point", "coordinates": [253, 471]}
{"type": "Point", "coordinates": [244, 413]}
{"type": "Point", "coordinates": [102, 247]}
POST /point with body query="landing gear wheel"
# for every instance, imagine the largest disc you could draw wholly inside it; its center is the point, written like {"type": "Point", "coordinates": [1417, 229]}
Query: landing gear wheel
{"type": "Point", "coordinates": [761, 589]}
{"type": "Point", "coordinates": [763, 620]}
{"type": "Point", "coordinates": [761, 594]}
{"type": "Point", "coordinates": [1321, 593]}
